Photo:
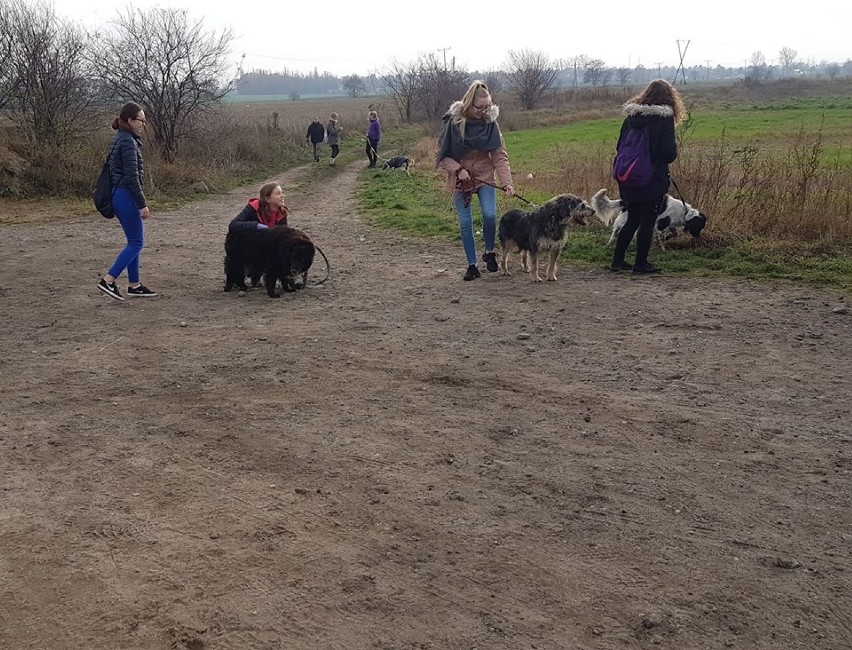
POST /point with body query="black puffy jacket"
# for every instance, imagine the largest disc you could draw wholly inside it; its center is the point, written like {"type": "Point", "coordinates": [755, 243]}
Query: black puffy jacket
{"type": "Point", "coordinates": [125, 165]}
{"type": "Point", "coordinates": [661, 141]}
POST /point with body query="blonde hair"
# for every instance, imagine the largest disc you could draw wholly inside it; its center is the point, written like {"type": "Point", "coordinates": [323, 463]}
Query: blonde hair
{"type": "Point", "coordinates": [661, 93]}
{"type": "Point", "coordinates": [477, 90]}
{"type": "Point", "coordinates": [333, 116]}
{"type": "Point", "coordinates": [373, 115]}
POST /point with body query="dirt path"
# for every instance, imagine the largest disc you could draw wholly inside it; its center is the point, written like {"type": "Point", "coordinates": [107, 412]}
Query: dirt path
{"type": "Point", "coordinates": [399, 459]}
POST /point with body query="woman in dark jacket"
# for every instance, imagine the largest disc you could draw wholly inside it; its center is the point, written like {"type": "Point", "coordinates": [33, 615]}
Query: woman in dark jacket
{"type": "Point", "coordinates": [263, 212]}
{"type": "Point", "coordinates": [128, 200]}
{"type": "Point", "coordinates": [658, 108]}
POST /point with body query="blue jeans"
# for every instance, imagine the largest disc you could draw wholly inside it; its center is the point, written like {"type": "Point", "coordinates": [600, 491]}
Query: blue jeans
{"type": "Point", "coordinates": [130, 218]}
{"type": "Point", "coordinates": [488, 204]}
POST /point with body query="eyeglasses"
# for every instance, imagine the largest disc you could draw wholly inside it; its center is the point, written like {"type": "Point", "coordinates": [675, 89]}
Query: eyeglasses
{"type": "Point", "coordinates": [482, 109]}
{"type": "Point", "coordinates": [137, 119]}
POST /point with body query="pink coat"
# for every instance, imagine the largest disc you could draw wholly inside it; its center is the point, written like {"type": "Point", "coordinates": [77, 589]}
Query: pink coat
{"type": "Point", "coordinates": [481, 165]}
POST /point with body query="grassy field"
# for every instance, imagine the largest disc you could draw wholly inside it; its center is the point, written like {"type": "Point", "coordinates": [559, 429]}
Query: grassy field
{"type": "Point", "coordinates": [788, 239]}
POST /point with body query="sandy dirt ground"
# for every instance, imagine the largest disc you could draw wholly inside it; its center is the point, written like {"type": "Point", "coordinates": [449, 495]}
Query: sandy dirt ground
{"type": "Point", "coordinates": [397, 459]}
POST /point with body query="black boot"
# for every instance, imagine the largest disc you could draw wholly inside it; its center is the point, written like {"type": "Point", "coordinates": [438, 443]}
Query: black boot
{"type": "Point", "coordinates": [472, 273]}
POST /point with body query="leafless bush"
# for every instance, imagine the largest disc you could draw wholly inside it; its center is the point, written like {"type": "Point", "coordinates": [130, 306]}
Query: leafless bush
{"type": "Point", "coordinates": [530, 75]}
{"type": "Point", "coordinates": [44, 76]}
{"type": "Point", "coordinates": [170, 65]}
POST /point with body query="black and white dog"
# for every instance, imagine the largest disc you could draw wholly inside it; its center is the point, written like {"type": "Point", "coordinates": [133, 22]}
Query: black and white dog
{"type": "Point", "coordinates": [398, 162]}
{"type": "Point", "coordinates": [676, 214]}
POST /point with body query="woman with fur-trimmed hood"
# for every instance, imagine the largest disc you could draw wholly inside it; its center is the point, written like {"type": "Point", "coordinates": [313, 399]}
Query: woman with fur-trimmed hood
{"type": "Point", "coordinates": [471, 150]}
{"type": "Point", "coordinates": [657, 108]}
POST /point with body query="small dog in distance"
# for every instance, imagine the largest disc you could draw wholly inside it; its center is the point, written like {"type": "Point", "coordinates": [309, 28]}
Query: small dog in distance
{"type": "Point", "coordinates": [398, 162]}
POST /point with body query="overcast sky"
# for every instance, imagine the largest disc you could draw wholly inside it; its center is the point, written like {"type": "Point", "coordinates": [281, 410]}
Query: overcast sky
{"type": "Point", "coordinates": [348, 37]}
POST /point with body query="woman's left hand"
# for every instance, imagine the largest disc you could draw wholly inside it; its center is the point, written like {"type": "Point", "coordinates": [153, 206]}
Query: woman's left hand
{"type": "Point", "coordinates": [509, 190]}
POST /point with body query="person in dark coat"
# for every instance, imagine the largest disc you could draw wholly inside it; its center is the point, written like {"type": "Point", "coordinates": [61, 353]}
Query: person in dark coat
{"type": "Point", "coordinates": [128, 200]}
{"type": "Point", "coordinates": [316, 136]}
{"type": "Point", "coordinates": [659, 108]}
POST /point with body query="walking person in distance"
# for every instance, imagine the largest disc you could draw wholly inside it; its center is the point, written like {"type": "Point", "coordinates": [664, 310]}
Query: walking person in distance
{"type": "Point", "coordinates": [471, 150]}
{"type": "Point", "coordinates": [657, 110]}
{"type": "Point", "coordinates": [332, 132]}
{"type": "Point", "coordinates": [128, 200]}
{"type": "Point", "coordinates": [316, 136]}
{"type": "Point", "coordinates": [374, 135]}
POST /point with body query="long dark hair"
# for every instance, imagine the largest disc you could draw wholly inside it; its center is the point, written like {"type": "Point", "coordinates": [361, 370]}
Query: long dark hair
{"type": "Point", "coordinates": [263, 197]}
{"type": "Point", "coordinates": [661, 93]}
{"type": "Point", "coordinates": [128, 112]}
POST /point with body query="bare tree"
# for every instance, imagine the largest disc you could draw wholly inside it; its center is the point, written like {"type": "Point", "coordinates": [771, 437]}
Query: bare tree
{"type": "Point", "coordinates": [7, 74]}
{"type": "Point", "coordinates": [759, 69]}
{"type": "Point", "coordinates": [353, 85]}
{"type": "Point", "coordinates": [438, 86]}
{"type": "Point", "coordinates": [596, 72]}
{"type": "Point", "coordinates": [45, 76]}
{"type": "Point", "coordinates": [787, 57]}
{"type": "Point", "coordinates": [530, 74]}
{"type": "Point", "coordinates": [401, 84]}
{"type": "Point", "coordinates": [832, 70]}
{"type": "Point", "coordinates": [623, 75]}
{"type": "Point", "coordinates": [170, 65]}
{"type": "Point", "coordinates": [494, 80]}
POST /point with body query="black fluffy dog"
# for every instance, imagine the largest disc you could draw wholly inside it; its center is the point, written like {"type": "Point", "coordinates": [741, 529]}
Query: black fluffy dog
{"type": "Point", "coordinates": [542, 230]}
{"type": "Point", "coordinates": [279, 253]}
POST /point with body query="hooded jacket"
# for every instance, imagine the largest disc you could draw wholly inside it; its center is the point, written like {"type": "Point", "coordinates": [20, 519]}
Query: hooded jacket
{"type": "Point", "coordinates": [481, 164]}
{"type": "Point", "coordinates": [250, 216]}
{"type": "Point", "coordinates": [659, 119]}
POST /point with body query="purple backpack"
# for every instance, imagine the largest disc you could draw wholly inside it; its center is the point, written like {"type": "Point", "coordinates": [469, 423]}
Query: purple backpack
{"type": "Point", "coordinates": [632, 167]}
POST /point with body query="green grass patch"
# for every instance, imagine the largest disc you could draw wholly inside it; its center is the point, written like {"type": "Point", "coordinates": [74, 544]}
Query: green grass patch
{"type": "Point", "coordinates": [419, 206]}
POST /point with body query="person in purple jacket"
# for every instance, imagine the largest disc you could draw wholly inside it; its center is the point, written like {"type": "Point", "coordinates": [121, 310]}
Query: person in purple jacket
{"type": "Point", "coordinates": [374, 134]}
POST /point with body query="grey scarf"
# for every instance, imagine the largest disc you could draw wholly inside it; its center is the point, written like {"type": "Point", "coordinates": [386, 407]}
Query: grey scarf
{"type": "Point", "coordinates": [479, 135]}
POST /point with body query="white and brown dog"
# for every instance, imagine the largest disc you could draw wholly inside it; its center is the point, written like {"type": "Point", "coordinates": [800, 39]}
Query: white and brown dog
{"type": "Point", "coordinates": [676, 214]}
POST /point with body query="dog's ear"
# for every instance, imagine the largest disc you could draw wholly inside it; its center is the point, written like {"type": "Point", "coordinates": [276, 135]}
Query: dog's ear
{"type": "Point", "coordinates": [664, 223]}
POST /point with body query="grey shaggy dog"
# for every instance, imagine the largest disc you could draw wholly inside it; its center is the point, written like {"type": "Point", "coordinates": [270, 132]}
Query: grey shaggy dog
{"type": "Point", "coordinates": [542, 230]}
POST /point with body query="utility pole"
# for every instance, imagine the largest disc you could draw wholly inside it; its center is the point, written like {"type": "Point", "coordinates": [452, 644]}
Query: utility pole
{"type": "Point", "coordinates": [708, 69]}
{"type": "Point", "coordinates": [659, 63]}
{"type": "Point", "coordinates": [444, 50]}
{"type": "Point", "coordinates": [680, 66]}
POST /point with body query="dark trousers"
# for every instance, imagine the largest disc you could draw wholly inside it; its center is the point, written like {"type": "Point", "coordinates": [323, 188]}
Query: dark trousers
{"type": "Point", "coordinates": [641, 217]}
{"type": "Point", "coordinates": [335, 149]}
{"type": "Point", "coordinates": [372, 148]}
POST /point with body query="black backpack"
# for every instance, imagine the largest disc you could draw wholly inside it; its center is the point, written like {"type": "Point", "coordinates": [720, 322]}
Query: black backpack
{"type": "Point", "coordinates": [102, 195]}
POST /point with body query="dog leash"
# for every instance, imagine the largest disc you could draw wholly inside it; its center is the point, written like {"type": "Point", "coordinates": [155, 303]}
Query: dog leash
{"type": "Point", "coordinates": [516, 195]}
{"type": "Point", "coordinates": [680, 196]}
{"type": "Point", "coordinates": [327, 268]}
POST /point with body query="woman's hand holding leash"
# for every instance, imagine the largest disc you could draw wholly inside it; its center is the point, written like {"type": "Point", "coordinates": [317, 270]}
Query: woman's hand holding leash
{"type": "Point", "coordinates": [508, 189]}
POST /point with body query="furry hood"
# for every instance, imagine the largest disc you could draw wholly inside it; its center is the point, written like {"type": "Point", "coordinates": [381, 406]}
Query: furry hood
{"type": "Point", "coordinates": [456, 109]}
{"type": "Point", "coordinates": [647, 110]}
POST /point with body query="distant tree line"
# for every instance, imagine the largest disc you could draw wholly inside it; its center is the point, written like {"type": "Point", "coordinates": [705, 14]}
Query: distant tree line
{"type": "Point", "coordinates": [424, 88]}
